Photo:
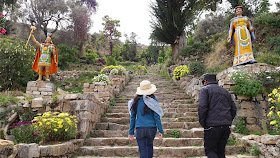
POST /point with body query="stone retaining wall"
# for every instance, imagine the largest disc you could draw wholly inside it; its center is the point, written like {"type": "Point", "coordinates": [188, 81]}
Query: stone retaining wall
{"type": "Point", "coordinates": [40, 89]}
{"type": "Point", "coordinates": [253, 109]}
{"type": "Point", "coordinates": [267, 145]}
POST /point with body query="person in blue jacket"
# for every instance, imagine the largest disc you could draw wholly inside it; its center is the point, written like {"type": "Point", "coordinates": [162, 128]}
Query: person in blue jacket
{"type": "Point", "coordinates": [145, 116]}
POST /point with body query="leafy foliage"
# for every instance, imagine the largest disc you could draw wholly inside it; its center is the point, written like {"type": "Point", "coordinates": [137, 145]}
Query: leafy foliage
{"type": "Point", "coordinates": [274, 111]}
{"type": "Point", "coordinates": [108, 69]}
{"type": "Point", "coordinates": [255, 150]}
{"type": "Point", "coordinates": [7, 100]}
{"type": "Point", "coordinates": [141, 69]}
{"type": "Point", "coordinates": [269, 20]}
{"type": "Point", "coordinates": [66, 56]}
{"type": "Point", "coordinates": [16, 64]}
{"type": "Point", "coordinates": [268, 58]}
{"type": "Point", "coordinates": [240, 126]}
{"type": "Point", "coordinates": [175, 133]}
{"type": "Point", "coordinates": [269, 79]}
{"type": "Point", "coordinates": [110, 61]}
{"type": "Point", "coordinates": [196, 68]}
{"type": "Point", "coordinates": [180, 71]}
{"type": "Point", "coordinates": [246, 85]}
{"type": "Point", "coordinates": [101, 78]}
{"type": "Point", "coordinates": [91, 56]}
{"type": "Point", "coordinates": [56, 126]}
{"type": "Point", "coordinates": [118, 71]}
{"type": "Point", "coordinates": [26, 132]}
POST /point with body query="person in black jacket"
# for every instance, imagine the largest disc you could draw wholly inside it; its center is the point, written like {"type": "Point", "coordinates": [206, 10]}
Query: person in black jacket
{"type": "Point", "coordinates": [216, 110]}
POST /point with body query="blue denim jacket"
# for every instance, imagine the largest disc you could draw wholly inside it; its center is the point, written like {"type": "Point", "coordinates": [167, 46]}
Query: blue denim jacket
{"type": "Point", "coordinates": [150, 119]}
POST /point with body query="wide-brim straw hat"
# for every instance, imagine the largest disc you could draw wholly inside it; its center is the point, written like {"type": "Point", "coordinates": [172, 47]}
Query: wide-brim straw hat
{"type": "Point", "coordinates": [146, 88]}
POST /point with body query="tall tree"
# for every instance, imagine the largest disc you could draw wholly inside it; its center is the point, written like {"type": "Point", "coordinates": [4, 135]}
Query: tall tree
{"type": "Point", "coordinates": [110, 35]}
{"type": "Point", "coordinates": [7, 3]}
{"type": "Point", "coordinates": [172, 17]}
{"type": "Point", "coordinates": [133, 46]}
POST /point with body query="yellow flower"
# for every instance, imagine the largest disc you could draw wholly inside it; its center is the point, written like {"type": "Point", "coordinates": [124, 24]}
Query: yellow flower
{"type": "Point", "coordinates": [60, 126]}
{"type": "Point", "coordinates": [55, 129]}
{"type": "Point", "coordinates": [270, 99]}
{"type": "Point", "coordinates": [272, 108]}
{"type": "Point", "coordinates": [274, 91]}
{"type": "Point", "coordinates": [39, 114]}
{"type": "Point", "coordinates": [278, 113]}
{"type": "Point", "coordinates": [273, 122]}
{"type": "Point", "coordinates": [278, 99]}
{"type": "Point", "coordinates": [48, 123]}
{"type": "Point", "coordinates": [269, 114]}
{"type": "Point", "coordinates": [270, 94]}
{"type": "Point", "coordinates": [66, 130]}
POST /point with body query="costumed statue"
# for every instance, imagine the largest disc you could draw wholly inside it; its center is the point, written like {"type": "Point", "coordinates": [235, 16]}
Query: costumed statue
{"type": "Point", "coordinates": [241, 34]}
{"type": "Point", "coordinates": [46, 58]}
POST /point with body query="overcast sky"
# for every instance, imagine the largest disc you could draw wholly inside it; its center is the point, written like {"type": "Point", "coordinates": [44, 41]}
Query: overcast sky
{"type": "Point", "coordinates": [134, 16]}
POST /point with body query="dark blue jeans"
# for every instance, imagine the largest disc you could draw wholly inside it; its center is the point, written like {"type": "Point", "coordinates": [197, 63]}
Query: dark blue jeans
{"type": "Point", "coordinates": [215, 141]}
{"type": "Point", "coordinates": [145, 138]}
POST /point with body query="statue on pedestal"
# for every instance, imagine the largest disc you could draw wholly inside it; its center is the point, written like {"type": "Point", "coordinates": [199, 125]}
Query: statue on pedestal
{"type": "Point", "coordinates": [46, 61]}
{"type": "Point", "coordinates": [241, 34]}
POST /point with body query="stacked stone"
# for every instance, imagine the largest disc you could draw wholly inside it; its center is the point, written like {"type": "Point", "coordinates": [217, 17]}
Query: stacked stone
{"type": "Point", "coordinates": [118, 82]}
{"type": "Point", "coordinates": [103, 91]}
{"type": "Point", "coordinates": [40, 89]}
{"type": "Point", "coordinates": [44, 151]}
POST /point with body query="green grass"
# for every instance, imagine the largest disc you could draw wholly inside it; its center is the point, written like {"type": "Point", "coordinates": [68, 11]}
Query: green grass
{"type": "Point", "coordinates": [7, 100]}
{"type": "Point", "coordinates": [123, 98]}
{"type": "Point", "coordinates": [232, 142]}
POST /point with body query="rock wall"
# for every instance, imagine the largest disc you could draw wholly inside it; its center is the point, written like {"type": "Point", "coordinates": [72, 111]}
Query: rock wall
{"type": "Point", "coordinates": [253, 109]}
{"type": "Point", "coordinates": [40, 89]}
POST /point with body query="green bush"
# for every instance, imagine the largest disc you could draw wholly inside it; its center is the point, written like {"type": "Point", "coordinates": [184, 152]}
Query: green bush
{"type": "Point", "coordinates": [240, 126]}
{"type": "Point", "coordinates": [269, 20]}
{"type": "Point", "coordinates": [186, 52]}
{"type": "Point", "coordinates": [196, 68]}
{"type": "Point", "coordinates": [246, 85]}
{"type": "Point", "coordinates": [7, 100]}
{"type": "Point", "coordinates": [16, 64]}
{"type": "Point", "coordinates": [169, 62]}
{"type": "Point", "coordinates": [66, 56]}
{"type": "Point", "coordinates": [277, 50]}
{"type": "Point", "coordinates": [160, 60]}
{"type": "Point", "coordinates": [110, 61]}
{"type": "Point", "coordinates": [91, 56]}
{"type": "Point", "coordinates": [255, 150]}
{"type": "Point", "coordinates": [26, 132]}
{"type": "Point", "coordinates": [271, 59]}
{"type": "Point", "coordinates": [269, 80]}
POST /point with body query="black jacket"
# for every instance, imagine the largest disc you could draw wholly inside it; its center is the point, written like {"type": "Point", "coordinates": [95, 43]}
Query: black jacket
{"type": "Point", "coordinates": [215, 106]}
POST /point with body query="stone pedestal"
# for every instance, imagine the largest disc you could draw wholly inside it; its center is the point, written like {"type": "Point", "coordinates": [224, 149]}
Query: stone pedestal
{"type": "Point", "coordinates": [40, 89]}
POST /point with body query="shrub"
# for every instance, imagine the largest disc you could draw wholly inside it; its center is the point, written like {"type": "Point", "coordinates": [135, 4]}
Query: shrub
{"type": "Point", "coordinates": [141, 69]}
{"type": "Point", "coordinates": [269, 80]}
{"type": "Point", "coordinates": [246, 85]}
{"type": "Point", "coordinates": [110, 61]}
{"type": "Point", "coordinates": [196, 68]}
{"type": "Point", "coordinates": [66, 56]}
{"type": "Point", "coordinates": [169, 62]}
{"type": "Point", "coordinates": [108, 69]}
{"type": "Point", "coordinates": [7, 100]}
{"type": "Point", "coordinates": [186, 52]}
{"type": "Point", "coordinates": [118, 71]}
{"type": "Point", "coordinates": [56, 126]}
{"type": "Point", "coordinates": [26, 132]}
{"type": "Point", "coordinates": [101, 78]}
{"type": "Point", "coordinates": [160, 60]}
{"type": "Point", "coordinates": [91, 56]}
{"type": "Point", "coordinates": [240, 126]}
{"type": "Point", "coordinates": [180, 71]}
{"type": "Point", "coordinates": [271, 59]}
{"type": "Point", "coordinates": [112, 101]}
{"type": "Point", "coordinates": [16, 64]}
{"type": "Point", "coordinates": [269, 20]}
{"type": "Point", "coordinates": [255, 150]}
{"type": "Point", "coordinates": [274, 113]}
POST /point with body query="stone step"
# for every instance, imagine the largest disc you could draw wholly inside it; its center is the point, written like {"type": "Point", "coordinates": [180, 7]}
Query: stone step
{"type": "Point", "coordinates": [180, 110]}
{"type": "Point", "coordinates": [165, 105]}
{"type": "Point", "coordinates": [183, 133]}
{"type": "Point", "coordinates": [111, 126]}
{"type": "Point", "coordinates": [166, 152]}
{"type": "Point", "coordinates": [227, 156]}
{"type": "Point", "coordinates": [177, 115]}
{"type": "Point", "coordinates": [124, 141]}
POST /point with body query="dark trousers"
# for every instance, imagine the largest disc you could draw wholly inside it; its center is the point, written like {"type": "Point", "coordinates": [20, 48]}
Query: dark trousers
{"type": "Point", "coordinates": [215, 141]}
{"type": "Point", "coordinates": [145, 139]}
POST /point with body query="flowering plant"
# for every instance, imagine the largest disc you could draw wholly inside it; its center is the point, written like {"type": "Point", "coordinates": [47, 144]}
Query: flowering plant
{"type": "Point", "coordinates": [274, 113]}
{"type": "Point", "coordinates": [56, 126]}
{"type": "Point", "coordinates": [108, 69]}
{"type": "Point", "coordinates": [101, 78]}
{"type": "Point", "coordinates": [118, 71]}
{"type": "Point", "coordinates": [180, 71]}
{"type": "Point", "coordinates": [141, 69]}
{"type": "Point", "coordinates": [25, 132]}
{"type": "Point", "coordinates": [2, 22]}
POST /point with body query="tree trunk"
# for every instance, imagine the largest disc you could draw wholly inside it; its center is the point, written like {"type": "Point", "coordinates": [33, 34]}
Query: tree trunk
{"type": "Point", "coordinates": [178, 45]}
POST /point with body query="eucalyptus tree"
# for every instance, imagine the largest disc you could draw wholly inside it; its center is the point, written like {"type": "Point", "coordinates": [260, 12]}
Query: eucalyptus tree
{"type": "Point", "coordinates": [110, 34]}
{"type": "Point", "coordinates": [171, 17]}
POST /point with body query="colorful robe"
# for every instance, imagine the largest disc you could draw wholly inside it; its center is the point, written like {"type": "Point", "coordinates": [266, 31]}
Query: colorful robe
{"type": "Point", "coordinates": [45, 58]}
{"type": "Point", "coordinates": [242, 39]}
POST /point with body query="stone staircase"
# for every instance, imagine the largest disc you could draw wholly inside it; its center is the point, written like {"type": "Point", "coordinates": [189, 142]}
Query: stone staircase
{"type": "Point", "coordinates": [110, 137]}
